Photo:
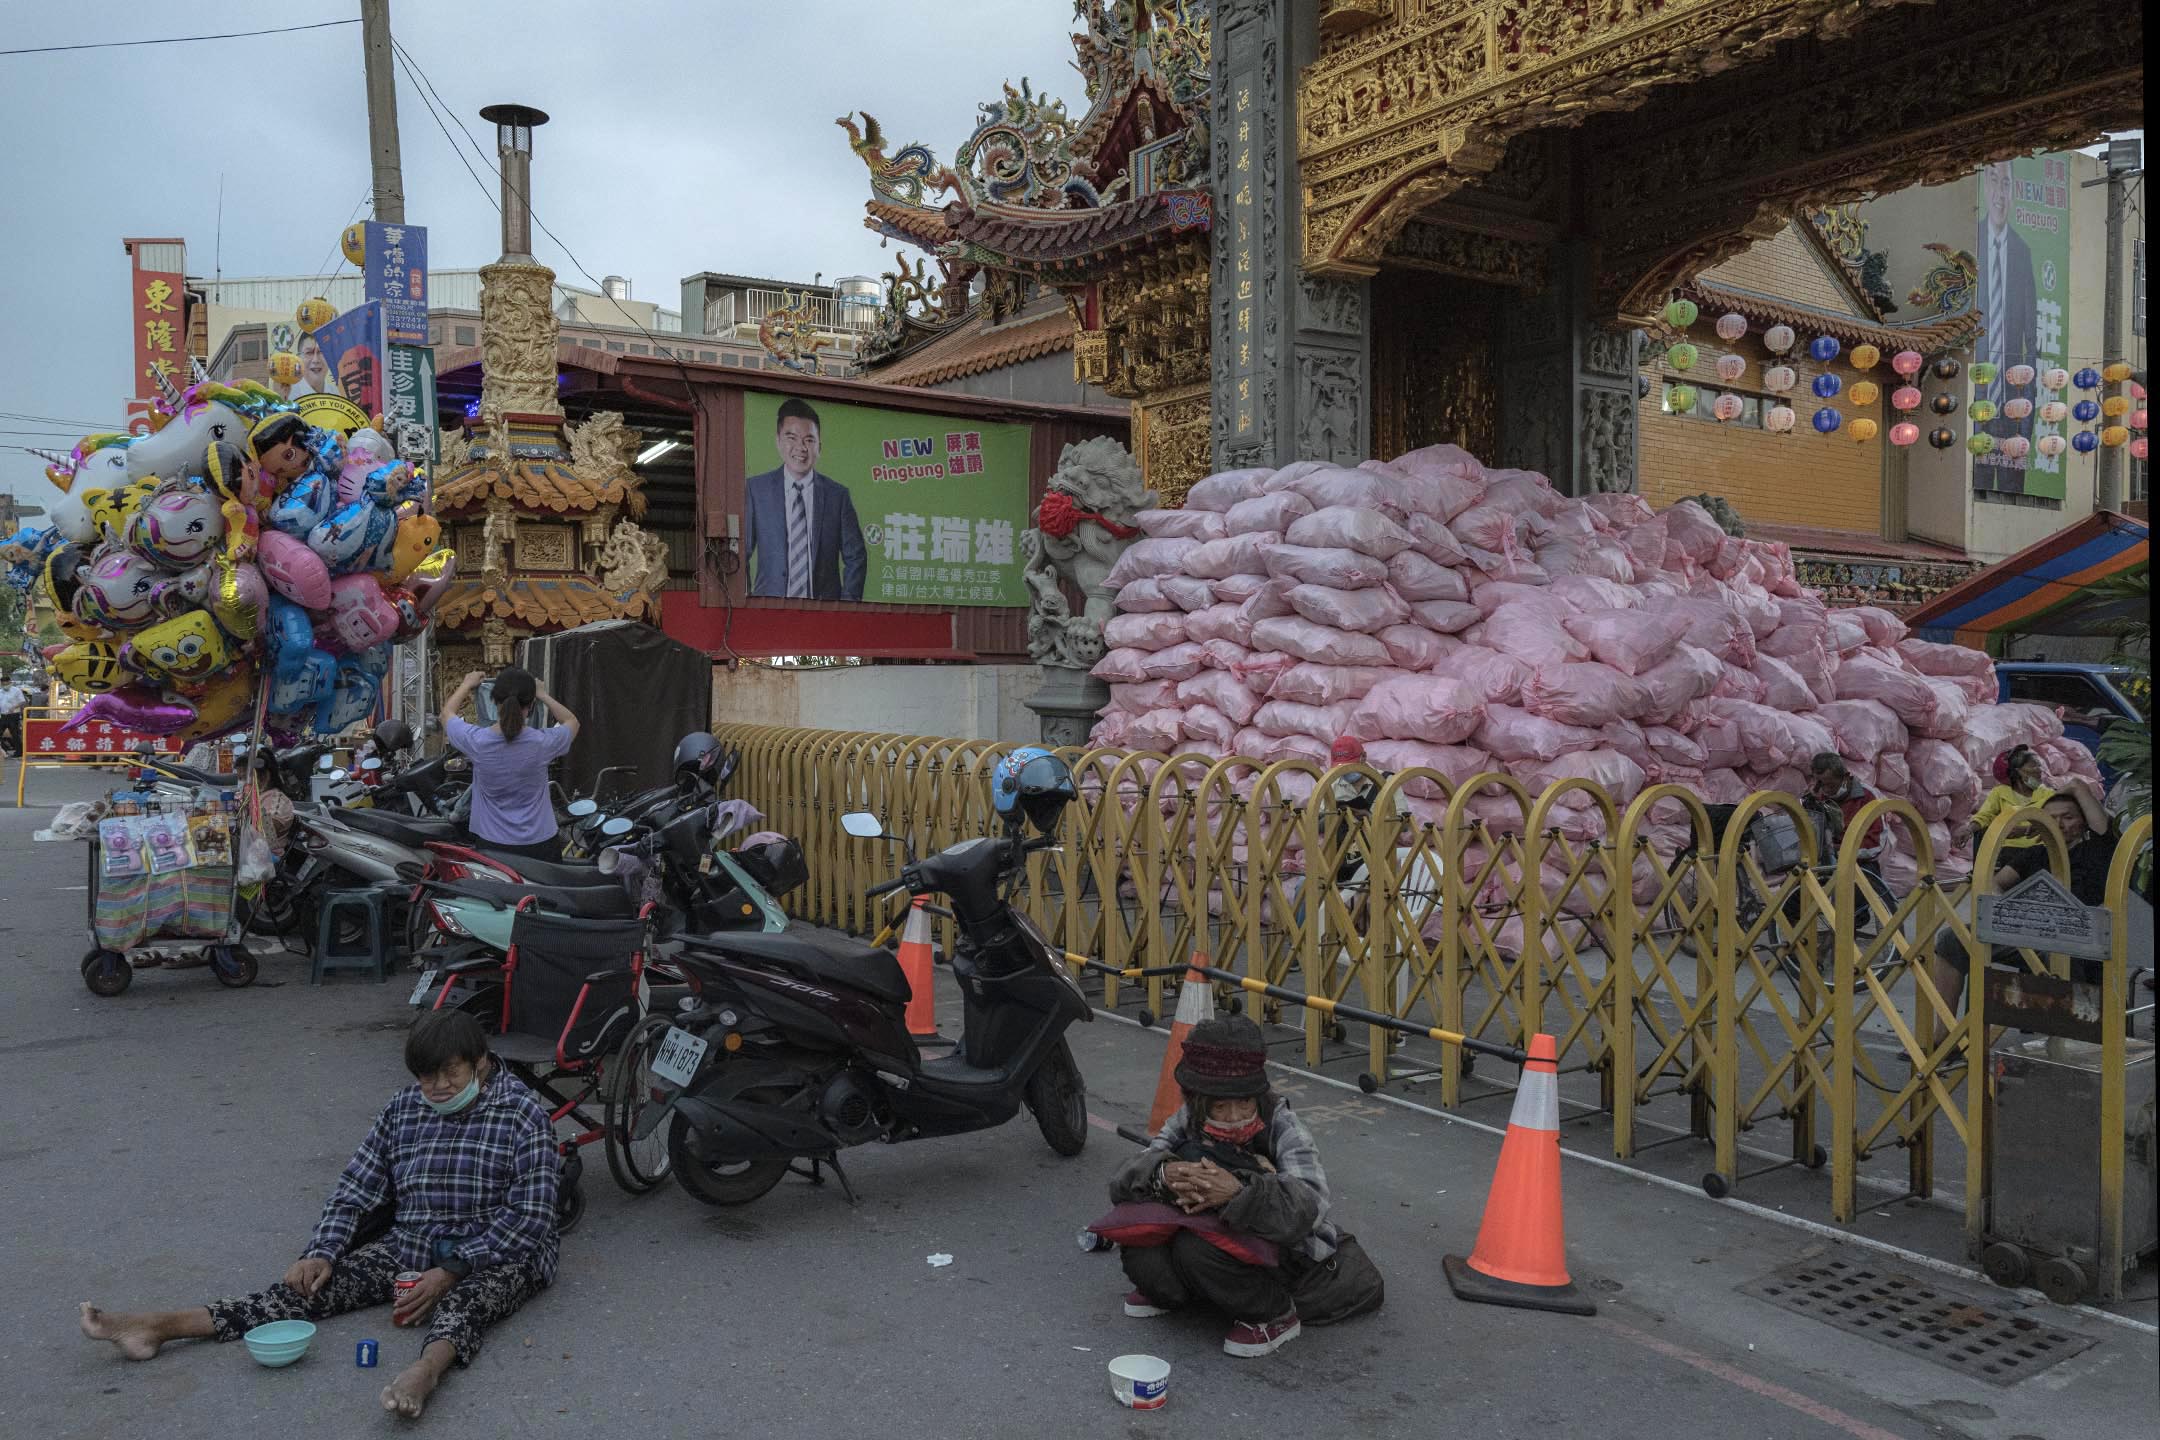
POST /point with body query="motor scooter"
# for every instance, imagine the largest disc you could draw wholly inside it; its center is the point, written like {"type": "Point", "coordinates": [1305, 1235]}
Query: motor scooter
{"type": "Point", "coordinates": [793, 1045]}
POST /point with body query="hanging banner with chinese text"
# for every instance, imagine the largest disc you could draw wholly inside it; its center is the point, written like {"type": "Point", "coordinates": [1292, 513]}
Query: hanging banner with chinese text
{"type": "Point", "coordinates": [409, 403]}
{"type": "Point", "coordinates": [847, 502]}
{"type": "Point", "coordinates": [395, 266]}
{"type": "Point", "coordinates": [160, 332]}
{"type": "Point", "coordinates": [352, 351]}
{"type": "Point", "coordinates": [2024, 306]}
{"type": "Point", "coordinates": [43, 739]}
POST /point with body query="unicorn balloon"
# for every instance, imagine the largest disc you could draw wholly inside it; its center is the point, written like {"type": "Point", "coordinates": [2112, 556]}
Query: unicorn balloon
{"type": "Point", "coordinates": [87, 480]}
{"type": "Point", "coordinates": [202, 416]}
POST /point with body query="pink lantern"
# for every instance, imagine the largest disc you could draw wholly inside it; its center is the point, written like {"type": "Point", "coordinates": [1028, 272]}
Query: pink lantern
{"type": "Point", "coordinates": [1778, 339]}
{"type": "Point", "coordinates": [2017, 409]}
{"type": "Point", "coordinates": [1731, 325]}
{"type": "Point", "coordinates": [1778, 419]}
{"type": "Point", "coordinates": [1779, 379]}
{"type": "Point", "coordinates": [2055, 379]}
{"type": "Point", "coordinates": [2019, 375]}
{"type": "Point", "coordinates": [2015, 446]}
{"type": "Point", "coordinates": [2137, 418]}
{"type": "Point", "coordinates": [1731, 367]}
{"type": "Point", "coordinates": [1727, 407]}
{"type": "Point", "coordinates": [1904, 433]}
{"type": "Point", "coordinates": [2054, 412]}
{"type": "Point", "coordinates": [2138, 447]}
{"type": "Point", "coordinates": [1907, 362]}
{"type": "Point", "coordinates": [2051, 445]}
{"type": "Point", "coordinates": [2137, 391]}
{"type": "Point", "coordinates": [1905, 397]}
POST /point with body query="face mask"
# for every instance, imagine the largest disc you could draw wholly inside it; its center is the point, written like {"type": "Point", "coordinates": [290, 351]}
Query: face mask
{"type": "Point", "coordinates": [1233, 1134]}
{"type": "Point", "coordinates": [458, 1101]}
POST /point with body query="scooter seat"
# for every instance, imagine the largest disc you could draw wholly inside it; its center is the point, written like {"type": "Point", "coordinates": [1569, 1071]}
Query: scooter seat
{"type": "Point", "coordinates": [818, 954]}
{"type": "Point", "coordinates": [548, 872]}
{"type": "Point", "coordinates": [588, 902]}
{"type": "Point", "coordinates": [414, 830]}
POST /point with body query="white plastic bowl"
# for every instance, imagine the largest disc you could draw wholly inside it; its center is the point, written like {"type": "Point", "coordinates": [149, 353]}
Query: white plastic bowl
{"type": "Point", "coordinates": [1140, 1382]}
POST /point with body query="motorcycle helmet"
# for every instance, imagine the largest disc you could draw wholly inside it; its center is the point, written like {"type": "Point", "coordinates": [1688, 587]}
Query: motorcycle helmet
{"type": "Point", "coordinates": [1031, 784]}
{"type": "Point", "coordinates": [697, 757]}
{"type": "Point", "coordinates": [774, 861]}
{"type": "Point", "coordinates": [392, 737]}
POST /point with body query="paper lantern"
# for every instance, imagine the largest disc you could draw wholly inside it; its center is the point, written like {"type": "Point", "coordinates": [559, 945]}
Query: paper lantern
{"type": "Point", "coordinates": [1905, 397]}
{"type": "Point", "coordinates": [2085, 411]}
{"type": "Point", "coordinates": [1983, 373]}
{"type": "Point", "coordinates": [2051, 445]}
{"type": "Point", "coordinates": [2017, 409]}
{"type": "Point", "coordinates": [1863, 357]}
{"type": "Point", "coordinates": [1947, 368]}
{"type": "Point", "coordinates": [1863, 428]}
{"type": "Point", "coordinates": [2015, 446]}
{"type": "Point", "coordinates": [1778, 420]}
{"type": "Point", "coordinates": [1980, 442]}
{"type": "Point", "coordinates": [1907, 362]}
{"type": "Point", "coordinates": [2115, 406]}
{"type": "Point", "coordinates": [1681, 357]}
{"type": "Point", "coordinates": [1731, 325]}
{"type": "Point", "coordinates": [2019, 375]}
{"type": "Point", "coordinates": [2055, 379]}
{"type": "Point", "coordinates": [1904, 433]}
{"type": "Point", "coordinates": [2138, 447]}
{"type": "Point", "coordinates": [2137, 418]}
{"type": "Point", "coordinates": [2115, 435]}
{"type": "Point", "coordinates": [1942, 402]}
{"type": "Point", "coordinates": [1942, 437]}
{"type": "Point", "coordinates": [2054, 412]}
{"type": "Point", "coordinates": [284, 367]}
{"type": "Point", "coordinates": [2086, 379]}
{"type": "Point", "coordinates": [2085, 442]}
{"type": "Point", "coordinates": [1824, 348]}
{"type": "Point", "coordinates": [313, 314]}
{"type": "Point", "coordinates": [2116, 371]}
{"type": "Point", "coordinates": [1778, 339]}
{"type": "Point", "coordinates": [1680, 399]}
{"type": "Point", "coordinates": [1826, 386]}
{"type": "Point", "coordinates": [2137, 391]}
{"type": "Point", "coordinates": [1731, 367]}
{"type": "Point", "coordinates": [1981, 411]}
{"type": "Point", "coordinates": [1680, 313]}
{"type": "Point", "coordinates": [1866, 392]}
{"type": "Point", "coordinates": [1779, 379]}
{"type": "Point", "coordinates": [1728, 407]}
{"type": "Point", "coordinates": [353, 243]}
{"type": "Point", "coordinates": [1827, 419]}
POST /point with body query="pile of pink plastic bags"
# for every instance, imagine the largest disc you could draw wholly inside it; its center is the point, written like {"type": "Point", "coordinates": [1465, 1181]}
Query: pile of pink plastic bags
{"type": "Point", "coordinates": [1467, 620]}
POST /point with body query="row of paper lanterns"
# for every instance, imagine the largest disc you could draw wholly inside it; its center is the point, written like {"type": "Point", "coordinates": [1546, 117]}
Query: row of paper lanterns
{"type": "Point", "coordinates": [1782, 379]}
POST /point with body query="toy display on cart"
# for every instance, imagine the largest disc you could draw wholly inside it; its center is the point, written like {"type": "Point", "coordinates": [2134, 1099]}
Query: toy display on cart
{"type": "Point", "coordinates": [164, 879]}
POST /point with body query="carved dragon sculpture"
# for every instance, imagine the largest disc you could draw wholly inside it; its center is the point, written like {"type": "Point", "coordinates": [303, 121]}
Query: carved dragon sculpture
{"type": "Point", "coordinates": [790, 335]}
{"type": "Point", "coordinates": [906, 177]}
{"type": "Point", "coordinates": [1950, 287]}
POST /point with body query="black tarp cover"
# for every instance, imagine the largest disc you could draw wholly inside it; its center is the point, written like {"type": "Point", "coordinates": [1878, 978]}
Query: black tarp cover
{"type": "Point", "coordinates": [635, 693]}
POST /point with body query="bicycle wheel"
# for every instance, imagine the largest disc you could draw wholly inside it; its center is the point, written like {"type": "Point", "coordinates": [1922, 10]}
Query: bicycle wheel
{"type": "Point", "coordinates": [637, 1164]}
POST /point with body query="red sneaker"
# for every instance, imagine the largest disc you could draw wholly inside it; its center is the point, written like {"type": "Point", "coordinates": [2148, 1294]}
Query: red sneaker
{"type": "Point", "coordinates": [1264, 1337]}
{"type": "Point", "coordinates": [1140, 1307]}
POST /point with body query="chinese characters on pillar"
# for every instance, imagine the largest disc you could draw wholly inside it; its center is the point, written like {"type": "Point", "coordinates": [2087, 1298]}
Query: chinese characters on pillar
{"type": "Point", "coordinates": [1242, 274]}
{"type": "Point", "coordinates": [160, 322]}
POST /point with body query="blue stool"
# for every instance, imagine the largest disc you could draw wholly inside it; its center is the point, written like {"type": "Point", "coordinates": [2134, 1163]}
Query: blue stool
{"type": "Point", "coordinates": [372, 952]}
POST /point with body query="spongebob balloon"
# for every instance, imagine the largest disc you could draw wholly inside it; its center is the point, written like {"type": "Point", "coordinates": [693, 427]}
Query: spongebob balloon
{"type": "Point", "coordinates": [185, 651]}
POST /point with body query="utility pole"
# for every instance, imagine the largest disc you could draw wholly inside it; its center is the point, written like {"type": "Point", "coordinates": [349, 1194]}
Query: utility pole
{"type": "Point", "coordinates": [2123, 156]}
{"type": "Point", "coordinates": [382, 111]}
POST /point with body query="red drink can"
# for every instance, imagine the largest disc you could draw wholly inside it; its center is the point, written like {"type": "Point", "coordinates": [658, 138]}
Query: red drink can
{"type": "Point", "coordinates": [406, 1281]}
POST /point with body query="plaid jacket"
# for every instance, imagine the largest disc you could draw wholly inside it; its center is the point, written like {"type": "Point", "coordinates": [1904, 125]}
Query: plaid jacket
{"type": "Point", "coordinates": [1289, 1207]}
{"type": "Point", "coordinates": [483, 1178]}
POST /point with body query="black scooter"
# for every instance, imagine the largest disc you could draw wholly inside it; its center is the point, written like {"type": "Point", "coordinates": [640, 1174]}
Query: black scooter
{"type": "Point", "coordinates": [794, 1044]}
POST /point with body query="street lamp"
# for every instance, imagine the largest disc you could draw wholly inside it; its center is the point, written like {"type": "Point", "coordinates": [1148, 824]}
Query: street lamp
{"type": "Point", "coordinates": [514, 126]}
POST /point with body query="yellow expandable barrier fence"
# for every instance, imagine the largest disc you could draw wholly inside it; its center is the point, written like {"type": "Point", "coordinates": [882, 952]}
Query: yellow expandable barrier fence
{"type": "Point", "coordinates": [1805, 999]}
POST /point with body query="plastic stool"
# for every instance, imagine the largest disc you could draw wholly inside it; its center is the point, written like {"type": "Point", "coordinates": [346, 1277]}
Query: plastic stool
{"type": "Point", "coordinates": [373, 953]}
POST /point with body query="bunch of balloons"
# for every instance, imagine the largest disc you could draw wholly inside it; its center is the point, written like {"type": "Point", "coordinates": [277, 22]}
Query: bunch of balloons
{"type": "Point", "coordinates": [236, 547]}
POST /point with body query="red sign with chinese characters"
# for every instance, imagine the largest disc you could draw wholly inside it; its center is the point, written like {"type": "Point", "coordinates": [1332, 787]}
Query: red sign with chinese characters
{"type": "Point", "coordinates": [43, 739]}
{"type": "Point", "coordinates": [160, 320]}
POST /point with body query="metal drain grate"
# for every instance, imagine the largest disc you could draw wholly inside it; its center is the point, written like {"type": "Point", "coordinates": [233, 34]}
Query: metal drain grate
{"type": "Point", "coordinates": [1907, 1314]}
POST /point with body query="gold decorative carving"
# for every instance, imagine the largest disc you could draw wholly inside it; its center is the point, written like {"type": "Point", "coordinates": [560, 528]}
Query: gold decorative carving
{"type": "Point", "coordinates": [498, 536]}
{"type": "Point", "coordinates": [497, 643]}
{"type": "Point", "coordinates": [1348, 17]}
{"type": "Point", "coordinates": [1091, 357]}
{"type": "Point", "coordinates": [1171, 439]}
{"type": "Point", "coordinates": [633, 568]}
{"type": "Point", "coordinates": [1155, 312]}
{"type": "Point", "coordinates": [1447, 250]}
{"type": "Point", "coordinates": [546, 547]}
{"type": "Point", "coordinates": [518, 331]}
{"type": "Point", "coordinates": [602, 452]}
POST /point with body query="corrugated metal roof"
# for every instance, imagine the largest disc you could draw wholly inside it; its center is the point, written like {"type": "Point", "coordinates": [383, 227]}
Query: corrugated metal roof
{"type": "Point", "coordinates": [447, 290]}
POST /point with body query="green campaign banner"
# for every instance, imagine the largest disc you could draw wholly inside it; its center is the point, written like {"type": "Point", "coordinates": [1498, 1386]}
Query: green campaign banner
{"type": "Point", "coordinates": [2024, 306]}
{"type": "Point", "coordinates": [854, 502]}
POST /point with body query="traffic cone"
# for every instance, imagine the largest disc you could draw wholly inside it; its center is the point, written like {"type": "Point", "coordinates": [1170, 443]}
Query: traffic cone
{"type": "Point", "coordinates": [918, 961]}
{"type": "Point", "coordinates": [1521, 1254]}
{"type": "Point", "coordinates": [1196, 1002]}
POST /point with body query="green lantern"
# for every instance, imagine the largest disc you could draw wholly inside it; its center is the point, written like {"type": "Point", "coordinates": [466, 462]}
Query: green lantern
{"type": "Point", "coordinates": [1983, 373]}
{"type": "Point", "coordinates": [1681, 357]}
{"type": "Point", "coordinates": [1980, 442]}
{"type": "Point", "coordinates": [1981, 410]}
{"type": "Point", "coordinates": [1680, 399]}
{"type": "Point", "coordinates": [1680, 313]}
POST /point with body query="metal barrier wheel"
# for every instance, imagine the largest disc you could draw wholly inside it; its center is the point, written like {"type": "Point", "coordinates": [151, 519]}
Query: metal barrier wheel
{"type": "Point", "coordinates": [2062, 1281]}
{"type": "Point", "coordinates": [1716, 1186]}
{"type": "Point", "coordinates": [2006, 1264]}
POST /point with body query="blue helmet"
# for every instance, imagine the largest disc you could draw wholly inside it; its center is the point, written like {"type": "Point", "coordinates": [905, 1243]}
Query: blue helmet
{"type": "Point", "coordinates": [1032, 783]}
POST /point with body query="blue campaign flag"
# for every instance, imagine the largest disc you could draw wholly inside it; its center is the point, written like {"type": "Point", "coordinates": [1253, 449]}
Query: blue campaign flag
{"type": "Point", "coordinates": [396, 274]}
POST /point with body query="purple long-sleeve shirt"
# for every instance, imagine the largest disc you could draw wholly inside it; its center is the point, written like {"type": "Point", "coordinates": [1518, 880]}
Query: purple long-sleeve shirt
{"type": "Point", "coordinates": [510, 802]}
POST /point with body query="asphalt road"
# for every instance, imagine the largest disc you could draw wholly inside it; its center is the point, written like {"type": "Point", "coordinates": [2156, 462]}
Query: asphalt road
{"type": "Point", "coordinates": [175, 1143]}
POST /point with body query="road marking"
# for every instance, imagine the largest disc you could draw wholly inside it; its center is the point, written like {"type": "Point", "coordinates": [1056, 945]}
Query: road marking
{"type": "Point", "coordinates": [1754, 1384]}
{"type": "Point", "coordinates": [1101, 1124]}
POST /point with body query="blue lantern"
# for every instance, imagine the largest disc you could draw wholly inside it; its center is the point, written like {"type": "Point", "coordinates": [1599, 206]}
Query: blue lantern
{"type": "Point", "coordinates": [1827, 419]}
{"type": "Point", "coordinates": [2086, 411]}
{"type": "Point", "coordinates": [1826, 384]}
{"type": "Point", "coordinates": [2086, 379]}
{"type": "Point", "coordinates": [2085, 442]}
{"type": "Point", "coordinates": [1824, 348]}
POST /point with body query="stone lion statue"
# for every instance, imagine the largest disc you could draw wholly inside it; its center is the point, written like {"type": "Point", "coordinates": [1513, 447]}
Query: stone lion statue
{"type": "Point", "coordinates": [1083, 524]}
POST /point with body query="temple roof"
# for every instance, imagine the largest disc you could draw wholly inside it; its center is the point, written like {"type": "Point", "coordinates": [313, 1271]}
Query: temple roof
{"type": "Point", "coordinates": [1038, 239]}
{"type": "Point", "coordinates": [967, 350]}
{"type": "Point", "coordinates": [534, 485]}
{"type": "Point", "coordinates": [563, 600]}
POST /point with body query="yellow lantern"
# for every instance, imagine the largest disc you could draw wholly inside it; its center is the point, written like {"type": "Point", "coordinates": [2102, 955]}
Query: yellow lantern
{"type": "Point", "coordinates": [353, 243]}
{"type": "Point", "coordinates": [313, 314]}
{"type": "Point", "coordinates": [1862, 428]}
{"type": "Point", "coordinates": [1865, 392]}
{"type": "Point", "coordinates": [2115, 371]}
{"type": "Point", "coordinates": [2114, 435]}
{"type": "Point", "coordinates": [284, 367]}
{"type": "Point", "coordinates": [2115, 406]}
{"type": "Point", "coordinates": [1863, 357]}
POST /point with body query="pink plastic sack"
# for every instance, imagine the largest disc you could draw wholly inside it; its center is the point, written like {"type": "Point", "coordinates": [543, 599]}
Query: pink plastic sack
{"type": "Point", "coordinates": [1620, 777]}
{"type": "Point", "coordinates": [1525, 491]}
{"type": "Point", "coordinates": [1322, 644]}
{"type": "Point", "coordinates": [1489, 594]}
{"type": "Point", "coordinates": [1147, 558]}
{"type": "Point", "coordinates": [1847, 634]}
{"type": "Point", "coordinates": [1270, 600]}
{"type": "Point", "coordinates": [1309, 684]}
{"type": "Point", "coordinates": [1590, 592]}
{"type": "Point", "coordinates": [1585, 693]}
{"type": "Point", "coordinates": [1144, 632]}
{"type": "Point", "coordinates": [1222, 690]}
{"type": "Point", "coordinates": [1616, 510]}
{"type": "Point", "coordinates": [1123, 667]}
{"type": "Point", "coordinates": [1434, 540]}
{"type": "Point", "coordinates": [1992, 729]}
{"type": "Point", "coordinates": [1444, 480]}
{"type": "Point", "coordinates": [1864, 729]}
{"type": "Point", "coordinates": [1687, 675]}
{"type": "Point", "coordinates": [1220, 492]}
{"type": "Point", "coordinates": [1782, 686]}
{"type": "Point", "coordinates": [1414, 647]}
{"type": "Point", "coordinates": [1267, 512]}
{"type": "Point", "coordinates": [1138, 699]}
{"type": "Point", "coordinates": [1236, 588]}
{"type": "Point", "coordinates": [1689, 528]}
{"type": "Point", "coordinates": [1339, 527]}
{"type": "Point", "coordinates": [1716, 628]}
{"type": "Point", "coordinates": [1893, 776]}
{"type": "Point", "coordinates": [1930, 658]}
{"type": "Point", "coordinates": [1630, 641]}
{"type": "Point", "coordinates": [1156, 730]}
{"type": "Point", "coordinates": [1882, 627]}
{"type": "Point", "coordinates": [1444, 617]}
{"type": "Point", "coordinates": [1260, 671]}
{"type": "Point", "coordinates": [1224, 655]}
{"type": "Point", "coordinates": [1337, 568]}
{"type": "Point", "coordinates": [1909, 696]}
{"type": "Point", "coordinates": [1417, 578]}
{"type": "Point", "coordinates": [1516, 565]}
{"type": "Point", "coordinates": [1457, 762]}
{"type": "Point", "coordinates": [1187, 592]}
{"type": "Point", "coordinates": [1179, 662]}
{"type": "Point", "coordinates": [1591, 556]}
{"type": "Point", "coordinates": [1489, 527]}
{"type": "Point", "coordinates": [1738, 684]}
{"type": "Point", "coordinates": [1517, 737]}
{"type": "Point", "coordinates": [1179, 524]}
{"type": "Point", "coordinates": [1144, 597]}
{"type": "Point", "coordinates": [1645, 544]}
{"type": "Point", "coordinates": [1816, 670]}
{"type": "Point", "coordinates": [1951, 709]}
{"type": "Point", "coordinates": [1362, 610]}
{"type": "Point", "coordinates": [1220, 622]}
{"type": "Point", "coordinates": [1498, 678]}
{"type": "Point", "coordinates": [1437, 709]}
{"type": "Point", "coordinates": [1324, 722]}
{"type": "Point", "coordinates": [1331, 485]}
{"type": "Point", "coordinates": [1532, 635]}
{"type": "Point", "coordinates": [1940, 768]}
{"type": "Point", "coordinates": [1209, 726]}
{"type": "Point", "coordinates": [1233, 555]}
{"type": "Point", "coordinates": [1675, 749]}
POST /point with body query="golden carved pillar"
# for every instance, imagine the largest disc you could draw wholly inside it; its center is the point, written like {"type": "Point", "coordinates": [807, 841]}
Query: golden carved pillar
{"type": "Point", "coordinates": [518, 330]}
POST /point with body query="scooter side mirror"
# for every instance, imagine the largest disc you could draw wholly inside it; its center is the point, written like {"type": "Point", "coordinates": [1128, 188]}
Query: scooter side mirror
{"type": "Point", "coordinates": [579, 809]}
{"type": "Point", "coordinates": [338, 775]}
{"type": "Point", "coordinates": [620, 825]}
{"type": "Point", "coordinates": [324, 762]}
{"type": "Point", "coordinates": [863, 825]}
{"type": "Point", "coordinates": [371, 764]}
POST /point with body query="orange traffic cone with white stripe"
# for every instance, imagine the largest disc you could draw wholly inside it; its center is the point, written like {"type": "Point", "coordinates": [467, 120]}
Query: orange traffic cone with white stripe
{"type": "Point", "coordinates": [918, 961]}
{"type": "Point", "coordinates": [1521, 1254]}
{"type": "Point", "coordinates": [1196, 1002]}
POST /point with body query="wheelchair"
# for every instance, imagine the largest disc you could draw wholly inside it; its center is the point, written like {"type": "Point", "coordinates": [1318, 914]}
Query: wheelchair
{"type": "Point", "coordinates": [558, 1007]}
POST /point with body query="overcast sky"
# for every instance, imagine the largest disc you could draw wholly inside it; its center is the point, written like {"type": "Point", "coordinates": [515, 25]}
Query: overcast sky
{"type": "Point", "coordinates": [683, 137]}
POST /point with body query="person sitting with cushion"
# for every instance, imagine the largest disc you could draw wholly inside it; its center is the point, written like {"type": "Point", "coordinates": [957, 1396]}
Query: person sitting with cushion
{"type": "Point", "coordinates": [1228, 1206]}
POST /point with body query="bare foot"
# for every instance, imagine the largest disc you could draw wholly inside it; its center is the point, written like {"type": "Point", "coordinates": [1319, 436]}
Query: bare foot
{"type": "Point", "coordinates": [406, 1396]}
{"type": "Point", "coordinates": [136, 1337]}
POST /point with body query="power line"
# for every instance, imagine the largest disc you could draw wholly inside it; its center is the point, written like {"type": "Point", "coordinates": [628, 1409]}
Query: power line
{"type": "Point", "coordinates": [177, 39]}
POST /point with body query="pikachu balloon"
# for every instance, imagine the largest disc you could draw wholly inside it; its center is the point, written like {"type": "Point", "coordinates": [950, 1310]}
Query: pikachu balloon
{"type": "Point", "coordinates": [418, 534]}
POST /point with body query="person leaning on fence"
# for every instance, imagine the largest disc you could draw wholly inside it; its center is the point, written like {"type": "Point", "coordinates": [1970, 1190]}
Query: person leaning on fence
{"type": "Point", "coordinates": [1228, 1207]}
{"type": "Point", "coordinates": [456, 1180]}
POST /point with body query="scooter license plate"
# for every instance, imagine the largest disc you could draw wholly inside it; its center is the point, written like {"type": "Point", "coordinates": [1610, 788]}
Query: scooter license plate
{"type": "Point", "coordinates": [676, 1061]}
{"type": "Point", "coordinates": [420, 991]}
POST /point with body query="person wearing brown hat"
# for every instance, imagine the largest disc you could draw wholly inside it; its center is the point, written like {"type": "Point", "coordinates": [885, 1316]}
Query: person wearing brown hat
{"type": "Point", "coordinates": [1237, 1156]}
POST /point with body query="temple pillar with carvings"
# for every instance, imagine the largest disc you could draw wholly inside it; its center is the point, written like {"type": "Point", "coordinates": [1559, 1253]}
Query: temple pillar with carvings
{"type": "Point", "coordinates": [1568, 385]}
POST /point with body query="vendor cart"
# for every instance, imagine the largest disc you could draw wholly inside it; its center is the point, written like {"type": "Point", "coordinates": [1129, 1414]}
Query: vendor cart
{"type": "Point", "coordinates": [163, 891]}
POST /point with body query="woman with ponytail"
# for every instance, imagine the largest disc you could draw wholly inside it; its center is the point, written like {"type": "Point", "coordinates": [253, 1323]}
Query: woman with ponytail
{"type": "Point", "coordinates": [511, 807]}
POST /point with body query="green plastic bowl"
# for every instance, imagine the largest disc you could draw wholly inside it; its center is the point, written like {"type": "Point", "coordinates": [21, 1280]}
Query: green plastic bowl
{"type": "Point", "coordinates": [280, 1342]}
